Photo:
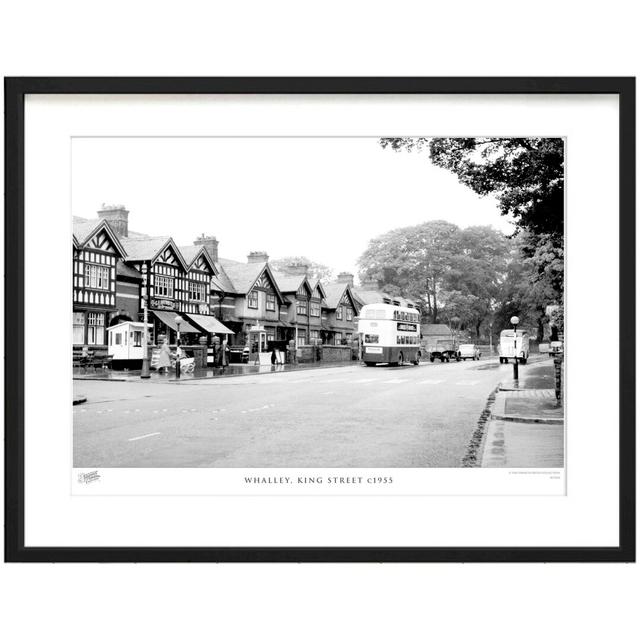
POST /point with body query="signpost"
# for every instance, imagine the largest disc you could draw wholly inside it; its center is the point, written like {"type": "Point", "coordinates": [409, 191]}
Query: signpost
{"type": "Point", "coordinates": [145, 332]}
{"type": "Point", "coordinates": [514, 321]}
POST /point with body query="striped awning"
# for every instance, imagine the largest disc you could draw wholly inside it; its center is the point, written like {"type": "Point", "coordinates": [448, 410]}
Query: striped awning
{"type": "Point", "coordinates": [168, 318]}
{"type": "Point", "coordinates": [210, 324]}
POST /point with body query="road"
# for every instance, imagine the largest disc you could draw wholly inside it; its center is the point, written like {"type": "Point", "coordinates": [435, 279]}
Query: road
{"type": "Point", "coordinates": [356, 416]}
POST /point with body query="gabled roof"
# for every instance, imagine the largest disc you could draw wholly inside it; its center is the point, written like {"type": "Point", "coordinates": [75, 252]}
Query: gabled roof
{"type": "Point", "coordinates": [334, 293]}
{"type": "Point", "coordinates": [123, 269]}
{"type": "Point", "coordinates": [150, 248]}
{"type": "Point", "coordinates": [243, 276]}
{"type": "Point", "coordinates": [435, 330]}
{"type": "Point", "coordinates": [318, 284]}
{"type": "Point", "coordinates": [132, 234]}
{"type": "Point", "coordinates": [191, 252]}
{"type": "Point", "coordinates": [221, 280]}
{"type": "Point", "coordinates": [291, 284]}
{"type": "Point", "coordinates": [84, 230]}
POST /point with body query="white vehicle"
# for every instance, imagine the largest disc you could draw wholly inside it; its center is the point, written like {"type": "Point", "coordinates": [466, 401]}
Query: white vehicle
{"type": "Point", "coordinates": [513, 344]}
{"type": "Point", "coordinates": [468, 351]}
{"type": "Point", "coordinates": [390, 334]}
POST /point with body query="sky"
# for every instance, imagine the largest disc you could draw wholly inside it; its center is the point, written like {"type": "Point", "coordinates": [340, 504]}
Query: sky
{"type": "Point", "coordinates": [323, 198]}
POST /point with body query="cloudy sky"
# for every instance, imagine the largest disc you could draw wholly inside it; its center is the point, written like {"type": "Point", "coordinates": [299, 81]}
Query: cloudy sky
{"type": "Point", "coordinates": [323, 198]}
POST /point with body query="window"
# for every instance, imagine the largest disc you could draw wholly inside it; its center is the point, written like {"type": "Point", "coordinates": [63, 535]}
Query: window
{"type": "Point", "coordinates": [271, 334]}
{"type": "Point", "coordinates": [301, 308]}
{"type": "Point", "coordinates": [302, 337]}
{"type": "Point", "coordinates": [349, 337]}
{"type": "Point", "coordinates": [339, 313]}
{"type": "Point", "coordinates": [197, 291]}
{"type": "Point", "coordinates": [271, 302]}
{"type": "Point", "coordinates": [78, 328]}
{"type": "Point", "coordinates": [371, 338]}
{"type": "Point", "coordinates": [314, 334]}
{"type": "Point", "coordinates": [118, 338]}
{"type": "Point", "coordinates": [252, 299]}
{"type": "Point", "coordinates": [164, 287]}
{"type": "Point", "coordinates": [96, 276]}
{"type": "Point", "coordinates": [95, 328]}
{"type": "Point", "coordinates": [337, 338]}
{"type": "Point", "coordinates": [314, 309]}
{"type": "Point", "coordinates": [137, 338]}
{"type": "Point", "coordinates": [349, 314]}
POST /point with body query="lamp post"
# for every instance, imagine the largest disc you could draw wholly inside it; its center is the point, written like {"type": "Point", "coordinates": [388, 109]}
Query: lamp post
{"type": "Point", "coordinates": [145, 334]}
{"type": "Point", "coordinates": [178, 320]}
{"type": "Point", "coordinates": [514, 321]}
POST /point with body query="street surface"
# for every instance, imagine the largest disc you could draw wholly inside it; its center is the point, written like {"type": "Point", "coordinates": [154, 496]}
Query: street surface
{"type": "Point", "coordinates": [356, 416]}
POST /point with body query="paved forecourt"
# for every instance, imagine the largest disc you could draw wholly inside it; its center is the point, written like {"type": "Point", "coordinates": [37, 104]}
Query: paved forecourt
{"type": "Point", "coordinates": [356, 416]}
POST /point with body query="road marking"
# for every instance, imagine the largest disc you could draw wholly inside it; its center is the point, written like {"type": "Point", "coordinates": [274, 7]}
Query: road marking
{"type": "Point", "coordinates": [328, 393]}
{"type": "Point", "coordinates": [430, 381]}
{"type": "Point", "coordinates": [467, 383]}
{"type": "Point", "coordinates": [393, 381]}
{"type": "Point", "coordinates": [147, 435]}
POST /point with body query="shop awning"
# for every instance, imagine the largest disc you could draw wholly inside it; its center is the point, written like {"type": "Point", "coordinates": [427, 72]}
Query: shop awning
{"type": "Point", "coordinates": [168, 318]}
{"type": "Point", "coordinates": [210, 324]}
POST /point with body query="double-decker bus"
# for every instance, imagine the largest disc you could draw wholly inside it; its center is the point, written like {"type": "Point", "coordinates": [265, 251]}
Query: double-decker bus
{"type": "Point", "coordinates": [389, 334]}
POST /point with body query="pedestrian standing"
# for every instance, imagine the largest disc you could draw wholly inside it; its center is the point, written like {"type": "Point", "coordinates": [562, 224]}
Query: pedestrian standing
{"type": "Point", "coordinates": [164, 358]}
{"type": "Point", "coordinates": [224, 359]}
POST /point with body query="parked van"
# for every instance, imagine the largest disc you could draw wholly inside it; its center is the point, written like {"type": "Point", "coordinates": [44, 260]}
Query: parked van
{"type": "Point", "coordinates": [513, 344]}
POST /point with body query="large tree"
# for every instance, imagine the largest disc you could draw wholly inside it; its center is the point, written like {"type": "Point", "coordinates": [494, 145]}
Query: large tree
{"type": "Point", "coordinates": [413, 261]}
{"type": "Point", "coordinates": [443, 266]}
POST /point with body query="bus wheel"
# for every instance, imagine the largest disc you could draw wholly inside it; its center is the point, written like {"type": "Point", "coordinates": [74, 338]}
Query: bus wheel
{"type": "Point", "coordinates": [370, 364]}
{"type": "Point", "coordinates": [400, 359]}
{"type": "Point", "coordinates": [523, 361]}
{"type": "Point", "coordinates": [432, 359]}
{"type": "Point", "coordinates": [417, 360]}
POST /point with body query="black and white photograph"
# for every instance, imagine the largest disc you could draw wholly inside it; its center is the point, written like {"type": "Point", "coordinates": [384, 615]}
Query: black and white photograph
{"type": "Point", "coordinates": [317, 302]}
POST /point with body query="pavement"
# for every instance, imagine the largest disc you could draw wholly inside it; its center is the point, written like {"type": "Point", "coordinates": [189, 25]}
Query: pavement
{"type": "Point", "coordinates": [526, 425]}
{"type": "Point", "coordinates": [351, 416]}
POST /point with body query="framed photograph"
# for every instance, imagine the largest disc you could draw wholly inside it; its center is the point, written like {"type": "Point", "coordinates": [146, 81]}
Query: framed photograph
{"type": "Point", "coordinates": [320, 319]}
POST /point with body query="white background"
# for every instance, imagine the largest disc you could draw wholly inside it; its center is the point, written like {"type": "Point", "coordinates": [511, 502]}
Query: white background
{"type": "Point", "coordinates": [334, 38]}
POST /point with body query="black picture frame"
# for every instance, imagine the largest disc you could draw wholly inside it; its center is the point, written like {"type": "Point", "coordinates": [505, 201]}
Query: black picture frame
{"type": "Point", "coordinates": [15, 91]}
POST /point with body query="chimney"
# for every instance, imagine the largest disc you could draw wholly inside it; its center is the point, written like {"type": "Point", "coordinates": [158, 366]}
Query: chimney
{"type": "Point", "coordinates": [345, 276]}
{"type": "Point", "coordinates": [117, 217]}
{"type": "Point", "coordinates": [296, 269]}
{"type": "Point", "coordinates": [257, 256]}
{"type": "Point", "coordinates": [210, 243]}
{"type": "Point", "coordinates": [369, 284]}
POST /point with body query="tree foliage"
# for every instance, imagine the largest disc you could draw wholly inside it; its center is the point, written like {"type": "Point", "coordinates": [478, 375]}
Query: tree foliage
{"type": "Point", "coordinates": [452, 271]}
{"type": "Point", "coordinates": [315, 270]}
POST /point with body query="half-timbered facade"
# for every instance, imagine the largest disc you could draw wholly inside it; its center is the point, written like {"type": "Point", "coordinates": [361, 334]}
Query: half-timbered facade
{"type": "Point", "coordinates": [96, 251]}
{"type": "Point", "coordinates": [200, 271]}
{"type": "Point", "coordinates": [165, 283]}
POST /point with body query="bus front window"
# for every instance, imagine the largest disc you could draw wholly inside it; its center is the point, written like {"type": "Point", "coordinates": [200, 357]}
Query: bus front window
{"type": "Point", "coordinates": [371, 338]}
